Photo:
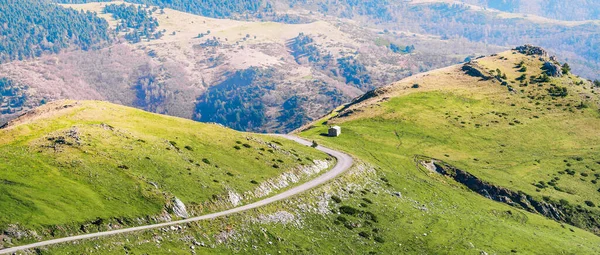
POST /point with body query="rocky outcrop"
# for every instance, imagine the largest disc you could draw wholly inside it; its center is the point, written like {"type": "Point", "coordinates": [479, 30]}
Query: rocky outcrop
{"type": "Point", "coordinates": [472, 70]}
{"type": "Point", "coordinates": [286, 179]}
{"type": "Point", "coordinates": [558, 211]}
{"type": "Point", "coordinates": [551, 65]}
{"type": "Point", "coordinates": [500, 194]}
{"type": "Point", "coordinates": [532, 50]}
{"type": "Point", "coordinates": [179, 208]}
{"type": "Point", "coordinates": [552, 69]}
{"type": "Point", "coordinates": [369, 95]}
{"type": "Point", "coordinates": [235, 198]}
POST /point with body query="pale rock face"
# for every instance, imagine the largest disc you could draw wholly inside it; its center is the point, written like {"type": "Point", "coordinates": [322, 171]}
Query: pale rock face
{"type": "Point", "coordinates": [553, 69]}
{"type": "Point", "coordinates": [280, 217]}
{"type": "Point", "coordinates": [288, 178]}
{"type": "Point", "coordinates": [179, 208]}
{"type": "Point", "coordinates": [235, 198]}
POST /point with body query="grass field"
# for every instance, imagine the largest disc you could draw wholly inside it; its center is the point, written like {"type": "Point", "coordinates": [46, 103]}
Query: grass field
{"type": "Point", "coordinates": [86, 166]}
{"type": "Point", "coordinates": [387, 204]}
{"type": "Point", "coordinates": [525, 140]}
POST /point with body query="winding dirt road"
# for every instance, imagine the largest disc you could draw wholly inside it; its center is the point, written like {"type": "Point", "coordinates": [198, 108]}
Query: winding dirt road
{"type": "Point", "coordinates": [344, 162]}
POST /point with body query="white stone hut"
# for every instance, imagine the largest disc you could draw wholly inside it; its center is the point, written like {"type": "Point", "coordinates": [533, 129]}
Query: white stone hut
{"type": "Point", "coordinates": [335, 131]}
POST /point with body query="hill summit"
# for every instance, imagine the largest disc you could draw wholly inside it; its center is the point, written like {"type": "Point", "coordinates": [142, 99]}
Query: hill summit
{"type": "Point", "coordinates": [514, 133]}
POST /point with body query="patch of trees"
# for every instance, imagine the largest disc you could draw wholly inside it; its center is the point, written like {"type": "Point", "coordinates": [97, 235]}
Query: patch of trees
{"type": "Point", "coordinates": [376, 9]}
{"type": "Point", "coordinates": [255, 99]}
{"type": "Point", "coordinates": [151, 93]}
{"type": "Point", "coordinates": [499, 75]}
{"type": "Point", "coordinates": [136, 21]}
{"type": "Point", "coordinates": [214, 42]}
{"type": "Point", "coordinates": [558, 91]}
{"type": "Point", "coordinates": [12, 96]}
{"type": "Point", "coordinates": [398, 49]}
{"type": "Point", "coordinates": [556, 9]}
{"type": "Point", "coordinates": [209, 8]}
{"type": "Point", "coordinates": [285, 18]}
{"type": "Point", "coordinates": [522, 67]}
{"type": "Point", "coordinates": [355, 72]}
{"type": "Point", "coordinates": [236, 101]}
{"type": "Point", "coordinates": [541, 79]}
{"type": "Point", "coordinates": [566, 69]}
{"type": "Point", "coordinates": [31, 28]}
{"type": "Point", "coordinates": [293, 114]}
{"type": "Point", "coordinates": [578, 215]}
{"type": "Point", "coordinates": [303, 47]}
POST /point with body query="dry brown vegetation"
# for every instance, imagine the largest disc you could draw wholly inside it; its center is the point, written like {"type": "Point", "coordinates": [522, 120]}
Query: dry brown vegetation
{"type": "Point", "coordinates": [169, 75]}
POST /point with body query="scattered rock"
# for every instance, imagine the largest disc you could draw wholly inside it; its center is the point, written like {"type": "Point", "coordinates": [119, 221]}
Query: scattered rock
{"type": "Point", "coordinates": [553, 69]}
{"type": "Point", "coordinates": [225, 236]}
{"type": "Point", "coordinates": [471, 70]}
{"type": "Point", "coordinates": [107, 127]}
{"type": "Point", "coordinates": [280, 217]}
{"type": "Point", "coordinates": [235, 198]}
{"type": "Point", "coordinates": [532, 50]}
{"type": "Point", "coordinates": [74, 134]}
{"type": "Point", "coordinates": [153, 184]}
{"type": "Point", "coordinates": [15, 231]}
{"type": "Point", "coordinates": [179, 208]}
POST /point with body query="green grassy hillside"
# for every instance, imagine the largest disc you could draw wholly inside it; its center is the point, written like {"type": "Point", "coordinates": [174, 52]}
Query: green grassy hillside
{"type": "Point", "coordinates": [508, 133]}
{"type": "Point", "coordinates": [520, 131]}
{"type": "Point", "coordinates": [516, 131]}
{"type": "Point", "coordinates": [75, 167]}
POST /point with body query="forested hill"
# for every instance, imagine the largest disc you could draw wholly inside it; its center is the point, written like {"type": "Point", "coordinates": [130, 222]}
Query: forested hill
{"type": "Point", "coordinates": [209, 8]}
{"type": "Point", "coordinates": [554, 9]}
{"type": "Point", "coordinates": [262, 8]}
{"type": "Point", "coordinates": [30, 28]}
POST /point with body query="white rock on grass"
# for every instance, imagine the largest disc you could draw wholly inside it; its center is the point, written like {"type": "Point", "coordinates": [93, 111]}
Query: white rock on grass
{"type": "Point", "coordinates": [179, 208]}
{"type": "Point", "coordinates": [235, 198]}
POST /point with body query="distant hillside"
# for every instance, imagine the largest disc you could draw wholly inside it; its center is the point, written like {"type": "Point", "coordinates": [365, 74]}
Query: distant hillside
{"type": "Point", "coordinates": [285, 74]}
{"type": "Point", "coordinates": [32, 28]}
{"type": "Point", "coordinates": [555, 9]}
{"type": "Point", "coordinates": [74, 167]}
{"type": "Point", "coordinates": [576, 42]}
{"type": "Point", "coordinates": [280, 75]}
{"type": "Point", "coordinates": [208, 8]}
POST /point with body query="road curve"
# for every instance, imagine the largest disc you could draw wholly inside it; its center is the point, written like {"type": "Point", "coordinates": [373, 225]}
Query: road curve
{"type": "Point", "coordinates": [344, 162]}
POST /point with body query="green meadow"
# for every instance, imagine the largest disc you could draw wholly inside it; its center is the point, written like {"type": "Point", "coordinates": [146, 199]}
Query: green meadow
{"type": "Point", "coordinates": [76, 167]}
{"type": "Point", "coordinates": [522, 134]}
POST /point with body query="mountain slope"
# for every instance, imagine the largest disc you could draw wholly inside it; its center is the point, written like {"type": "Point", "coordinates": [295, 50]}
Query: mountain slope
{"type": "Point", "coordinates": [500, 119]}
{"type": "Point", "coordinates": [290, 73]}
{"type": "Point", "coordinates": [556, 9]}
{"type": "Point", "coordinates": [318, 55]}
{"type": "Point", "coordinates": [494, 139]}
{"type": "Point", "coordinates": [73, 167]}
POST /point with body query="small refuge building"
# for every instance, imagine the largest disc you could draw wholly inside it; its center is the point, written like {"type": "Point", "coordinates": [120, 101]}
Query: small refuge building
{"type": "Point", "coordinates": [335, 131]}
